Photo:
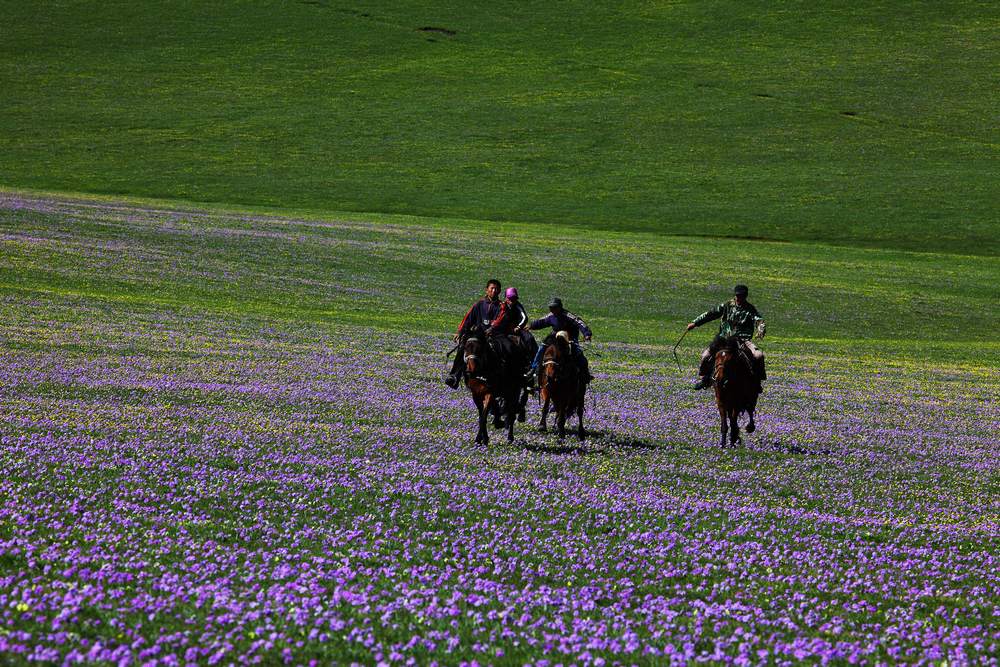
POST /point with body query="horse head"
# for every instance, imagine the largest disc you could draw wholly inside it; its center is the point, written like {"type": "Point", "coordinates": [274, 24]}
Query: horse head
{"type": "Point", "coordinates": [725, 357]}
{"type": "Point", "coordinates": [476, 357]}
{"type": "Point", "coordinates": [556, 360]}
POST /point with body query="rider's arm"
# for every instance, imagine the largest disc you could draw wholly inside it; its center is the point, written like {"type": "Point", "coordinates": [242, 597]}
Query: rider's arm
{"type": "Point", "coordinates": [584, 329]}
{"type": "Point", "coordinates": [465, 321]}
{"type": "Point", "coordinates": [758, 321]}
{"type": "Point", "coordinates": [495, 324]}
{"type": "Point", "coordinates": [709, 315]}
{"type": "Point", "coordinates": [524, 317]}
{"type": "Point", "coordinates": [540, 323]}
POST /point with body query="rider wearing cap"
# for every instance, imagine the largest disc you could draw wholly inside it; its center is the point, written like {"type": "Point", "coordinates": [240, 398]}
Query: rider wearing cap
{"type": "Point", "coordinates": [480, 315]}
{"type": "Point", "coordinates": [739, 318]}
{"type": "Point", "coordinates": [561, 319]}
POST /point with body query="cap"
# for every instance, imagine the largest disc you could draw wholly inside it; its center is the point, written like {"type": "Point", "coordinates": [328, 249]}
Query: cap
{"type": "Point", "coordinates": [555, 303]}
{"type": "Point", "coordinates": [511, 293]}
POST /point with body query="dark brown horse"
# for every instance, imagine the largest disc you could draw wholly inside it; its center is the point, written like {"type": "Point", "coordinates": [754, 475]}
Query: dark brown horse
{"type": "Point", "coordinates": [736, 388]}
{"type": "Point", "coordinates": [562, 384]}
{"type": "Point", "coordinates": [496, 387]}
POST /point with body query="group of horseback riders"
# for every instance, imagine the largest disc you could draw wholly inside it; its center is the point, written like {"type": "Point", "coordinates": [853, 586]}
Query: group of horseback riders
{"type": "Point", "coordinates": [505, 325]}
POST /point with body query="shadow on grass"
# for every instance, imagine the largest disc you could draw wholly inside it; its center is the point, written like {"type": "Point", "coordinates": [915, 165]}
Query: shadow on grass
{"type": "Point", "coordinates": [562, 448]}
{"type": "Point", "coordinates": [597, 442]}
{"type": "Point", "coordinates": [793, 448]}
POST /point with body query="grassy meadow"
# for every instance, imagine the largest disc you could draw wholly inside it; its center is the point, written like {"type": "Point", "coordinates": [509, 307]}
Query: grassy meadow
{"type": "Point", "coordinates": [225, 440]}
{"type": "Point", "coordinates": [870, 124]}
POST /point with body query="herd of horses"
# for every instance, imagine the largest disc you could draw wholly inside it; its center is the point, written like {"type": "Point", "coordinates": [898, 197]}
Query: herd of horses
{"type": "Point", "coordinates": [498, 386]}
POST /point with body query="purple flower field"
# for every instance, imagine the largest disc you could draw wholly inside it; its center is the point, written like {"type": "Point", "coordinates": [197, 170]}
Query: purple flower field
{"type": "Point", "coordinates": [186, 484]}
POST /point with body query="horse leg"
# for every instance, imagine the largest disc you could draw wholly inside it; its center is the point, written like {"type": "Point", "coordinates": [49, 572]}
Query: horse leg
{"type": "Point", "coordinates": [734, 430]}
{"type": "Point", "coordinates": [511, 405]}
{"type": "Point", "coordinates": [724, 417]}
{"type": "Point", "coordinates": [483, 436]}
{"type": "Point", "coordinates": [542, 425]}
{"type": "Point", "coordinates": [498, 412]}
{"type": "Point", "coordinates": [581, 432]}
{"type": "Point", "coordinates": [561, 420]}
{"type": "Point", "coordinates": [521, 416]}
{"type": "Point", "coordinates": [751, 427]}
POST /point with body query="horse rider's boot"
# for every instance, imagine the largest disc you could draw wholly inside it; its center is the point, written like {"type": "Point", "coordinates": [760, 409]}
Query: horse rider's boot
{"type": "Point", "coordinates": [704, 382]}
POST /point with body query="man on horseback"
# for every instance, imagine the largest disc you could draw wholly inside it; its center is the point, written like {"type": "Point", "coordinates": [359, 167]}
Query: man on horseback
{"type": "Point", "coordinates": [480, 315]}
{"type": "Point", "coordinates": [561, 319]}
{"type": "Point", "coordinates": [739, 318]}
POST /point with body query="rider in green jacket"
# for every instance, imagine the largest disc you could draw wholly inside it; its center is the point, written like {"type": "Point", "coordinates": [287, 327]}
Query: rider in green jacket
{"type": "Point", "coordinates": [739, 318]}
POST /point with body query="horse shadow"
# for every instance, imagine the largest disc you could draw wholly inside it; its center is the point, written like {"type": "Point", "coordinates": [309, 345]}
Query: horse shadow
{"type": "Point", "coordinates": [598, 442]}
{"type": "Point", "coordinates": [561, 448]}
{"type": "Point", "coordinates": [622, 440]}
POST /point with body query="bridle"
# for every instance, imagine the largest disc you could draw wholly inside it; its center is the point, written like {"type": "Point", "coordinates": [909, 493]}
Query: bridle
{"type": "Point", "coordinates": [738, 352]}
{"type": "Point", "coordinates": [483, 367]}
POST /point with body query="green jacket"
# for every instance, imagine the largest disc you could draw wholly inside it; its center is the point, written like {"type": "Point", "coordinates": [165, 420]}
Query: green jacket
{"type": "Point", "coordinates": [737, 320]}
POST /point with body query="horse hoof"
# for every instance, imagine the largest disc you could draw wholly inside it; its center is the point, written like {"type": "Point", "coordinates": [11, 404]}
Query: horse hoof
{"type": "Point", "coordinates": [542, 429]}
{"type": "Point", "coordinates": [521, 416]}
{"type": "Point", "coordinates": [751, 427]}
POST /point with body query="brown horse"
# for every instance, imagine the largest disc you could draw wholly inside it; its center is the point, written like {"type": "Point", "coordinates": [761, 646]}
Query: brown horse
{"type": "Point", "coordinates": [736, 388]}
{"type": "Point", "coordinates": [494, 386]}
{"type": "Point", "coordinates": [562, 384]}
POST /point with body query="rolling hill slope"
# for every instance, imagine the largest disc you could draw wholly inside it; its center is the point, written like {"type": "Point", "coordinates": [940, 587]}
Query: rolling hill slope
{"type": "Point", "coordinates": [838, 122]}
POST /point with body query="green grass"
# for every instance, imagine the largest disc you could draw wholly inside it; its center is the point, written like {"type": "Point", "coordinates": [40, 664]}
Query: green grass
{"type": "Point", "coordinates": [632, 287]}
{"type": "Point", "coordinates": [837, 122]}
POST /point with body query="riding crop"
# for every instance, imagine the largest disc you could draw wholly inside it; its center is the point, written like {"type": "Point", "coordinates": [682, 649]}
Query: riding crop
{"type": "Point", "coordinates": [675, 350]}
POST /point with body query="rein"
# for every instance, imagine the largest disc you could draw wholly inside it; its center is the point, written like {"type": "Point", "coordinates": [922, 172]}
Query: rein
{"type": "Point", "coordinates": [483, 374]}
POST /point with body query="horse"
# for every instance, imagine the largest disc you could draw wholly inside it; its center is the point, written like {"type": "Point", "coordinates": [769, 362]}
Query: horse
{"type": "Point", "coordinates": [495, 386]}
{"type": "Point", "coordinates": [736, 388]}
{"type": "Point", "coordinates": [561, 384]}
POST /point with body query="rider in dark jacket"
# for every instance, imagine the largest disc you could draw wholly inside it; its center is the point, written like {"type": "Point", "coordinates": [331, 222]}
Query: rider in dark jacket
{"type": "Point", "coordinates": [739, 318]}
{"type": "Point", "coordinates": [481, 316]}
{"type": "Point", "coordinates": [561, 319]}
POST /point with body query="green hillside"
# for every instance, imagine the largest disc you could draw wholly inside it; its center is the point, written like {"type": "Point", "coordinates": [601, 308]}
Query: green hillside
{"type": "Point", "coordinates": [870, 124]}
